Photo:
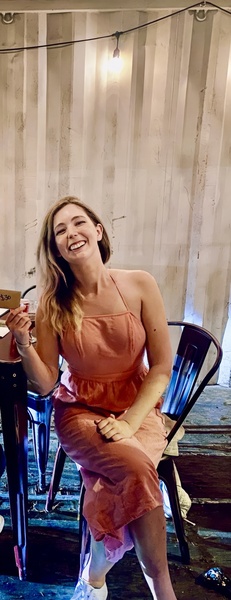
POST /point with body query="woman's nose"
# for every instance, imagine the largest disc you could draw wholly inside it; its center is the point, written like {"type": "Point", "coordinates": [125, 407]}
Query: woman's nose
{"type": "Point", "coordinates": [71, 232]}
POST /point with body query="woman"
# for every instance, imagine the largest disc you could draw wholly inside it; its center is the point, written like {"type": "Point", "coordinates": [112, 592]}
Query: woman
{"type": "Point", "coordinates": [106, 407]}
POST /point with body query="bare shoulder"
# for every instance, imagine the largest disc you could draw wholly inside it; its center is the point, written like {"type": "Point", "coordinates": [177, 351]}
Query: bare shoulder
{"type": "Point", "coordinates": [140, 279]}
{"type": "Point", "coordinates": [136, 286]}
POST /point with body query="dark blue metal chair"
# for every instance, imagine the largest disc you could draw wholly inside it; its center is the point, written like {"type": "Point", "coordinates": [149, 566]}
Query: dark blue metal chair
{"type": "Point", "coordinates": [181, 395]}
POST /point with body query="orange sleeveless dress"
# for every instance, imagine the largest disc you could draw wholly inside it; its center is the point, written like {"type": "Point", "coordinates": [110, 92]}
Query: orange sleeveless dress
{"type": "Point", "coordinates": [105, 372]}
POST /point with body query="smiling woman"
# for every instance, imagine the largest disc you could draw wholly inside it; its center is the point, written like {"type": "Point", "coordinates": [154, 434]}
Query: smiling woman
{"type": "Point", "coordinates": [102, 321]}
{"type": "Point", "coordinates": [66, 219]}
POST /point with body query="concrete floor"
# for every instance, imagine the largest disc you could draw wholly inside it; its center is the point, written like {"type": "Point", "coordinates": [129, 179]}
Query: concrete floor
{"type": "Point", "coordinates": [53, 558]}
{"type": "Point", "coordinates": [53, 537]}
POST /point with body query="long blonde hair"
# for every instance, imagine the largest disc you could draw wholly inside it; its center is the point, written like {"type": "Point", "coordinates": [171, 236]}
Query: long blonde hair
{"type": "Point", "coordinates": [61, 300]}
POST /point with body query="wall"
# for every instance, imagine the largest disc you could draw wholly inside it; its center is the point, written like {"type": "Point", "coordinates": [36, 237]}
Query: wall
{"type": "Point", "coordinates": [148, 148]}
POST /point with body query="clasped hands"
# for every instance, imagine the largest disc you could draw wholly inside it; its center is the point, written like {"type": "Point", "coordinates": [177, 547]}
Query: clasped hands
{"type": "Point", "coordinates": [113, 429]}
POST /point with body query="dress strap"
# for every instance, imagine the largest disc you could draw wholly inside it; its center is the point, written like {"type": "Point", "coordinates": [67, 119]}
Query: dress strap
{"type": "Point", "coordinates": [120, 293]}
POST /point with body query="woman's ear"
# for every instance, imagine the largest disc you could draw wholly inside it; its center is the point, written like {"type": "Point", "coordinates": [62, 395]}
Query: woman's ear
{"type": "Point", "coordinates": [99, 229]}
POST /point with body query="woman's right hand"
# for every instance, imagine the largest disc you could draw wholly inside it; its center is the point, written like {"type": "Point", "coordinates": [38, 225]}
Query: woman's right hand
{"type": "Point", "coordinates": [19, 323]}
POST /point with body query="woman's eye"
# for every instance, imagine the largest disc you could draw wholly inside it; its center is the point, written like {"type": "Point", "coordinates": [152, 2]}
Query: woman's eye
{"type": "Point", "coordinates": [79, 222]}
{"type": "Point", "coordinates": [60, 231]}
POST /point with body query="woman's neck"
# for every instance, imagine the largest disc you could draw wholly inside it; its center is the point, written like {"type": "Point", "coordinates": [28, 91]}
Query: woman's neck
{"type": "Point", "coordinates": [93, 281]}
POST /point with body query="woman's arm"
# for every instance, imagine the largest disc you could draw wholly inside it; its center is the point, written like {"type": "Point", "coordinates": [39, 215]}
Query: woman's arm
{"type": "Point", "coordinates": [41, 365]}
{"type": "Point", "coordinates": [159, 357]}
{"type": "Point", "coordinates": [158, 351]}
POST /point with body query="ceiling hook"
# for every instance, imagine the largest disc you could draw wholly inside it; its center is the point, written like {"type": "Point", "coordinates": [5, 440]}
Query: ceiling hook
{"type": "Point", "coordinates": [7, 18]}
{"type": "Point", "coordinates": [201, 15]}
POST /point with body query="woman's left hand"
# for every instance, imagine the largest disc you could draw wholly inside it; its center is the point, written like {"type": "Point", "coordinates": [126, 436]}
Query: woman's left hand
{"type": "Point", "coordinates": [114, 429]}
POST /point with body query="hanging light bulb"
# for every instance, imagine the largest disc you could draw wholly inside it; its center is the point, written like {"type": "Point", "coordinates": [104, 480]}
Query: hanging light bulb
{"type": "Point", "coordinates": [116, 53]}
{"type": "Point", "coordinates": [116, 62]}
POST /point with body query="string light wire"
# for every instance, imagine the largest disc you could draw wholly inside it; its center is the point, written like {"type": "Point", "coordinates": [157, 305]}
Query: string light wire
{"type": "Point", "coordinates": [117, 34]}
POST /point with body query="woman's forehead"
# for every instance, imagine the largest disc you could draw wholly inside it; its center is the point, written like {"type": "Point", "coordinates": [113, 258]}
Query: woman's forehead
{"type": "Point", "coordinates": [68, 212]}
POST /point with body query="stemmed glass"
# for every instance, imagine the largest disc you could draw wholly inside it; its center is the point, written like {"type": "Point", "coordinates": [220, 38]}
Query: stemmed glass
{"type": "Point", "coordinates": [30, 308]}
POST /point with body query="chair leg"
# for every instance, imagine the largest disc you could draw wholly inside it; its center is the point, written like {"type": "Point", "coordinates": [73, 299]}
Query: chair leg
{"type": "Point", "coordinates": [84, 533]}
{"type": "Point", "coordinates": [166, 473]}
{"type": "Point", "coordinates": [2, 461]}
{"type": "Point", "coordinates": [56, 476]}
{"type": "Point", "coordinates": [39, 412]}
{"type": "Point", "coordinates": [13, 400]}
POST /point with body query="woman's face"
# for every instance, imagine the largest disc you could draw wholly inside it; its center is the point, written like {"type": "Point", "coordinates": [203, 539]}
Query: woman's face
{"type": "Point", "coordinates": [76, 236]}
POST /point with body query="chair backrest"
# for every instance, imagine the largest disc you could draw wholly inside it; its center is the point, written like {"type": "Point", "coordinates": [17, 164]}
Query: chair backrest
{"type": "Point", "coordinates": [193, 347]}
{"type": "Point", "coordinates": [24, 294]}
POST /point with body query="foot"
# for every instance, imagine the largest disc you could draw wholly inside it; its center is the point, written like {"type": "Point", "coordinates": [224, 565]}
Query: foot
{"type": "Point", "coordinates": [85, 591]}
{"type": "Point", "coordinates": [1, 523]}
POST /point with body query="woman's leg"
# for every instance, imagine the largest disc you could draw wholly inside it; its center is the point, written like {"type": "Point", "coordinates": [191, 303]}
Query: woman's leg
{"type": "Point", "coordinates": [121, 483]}
{"type": "Point", "coordinates": [98, 566]}
{"type": "Point", "coordinates": [149, 537]}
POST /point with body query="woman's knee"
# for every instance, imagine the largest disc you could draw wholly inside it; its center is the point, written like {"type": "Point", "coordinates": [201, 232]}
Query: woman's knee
{"type": "Point", "coordinates": [134, 463]}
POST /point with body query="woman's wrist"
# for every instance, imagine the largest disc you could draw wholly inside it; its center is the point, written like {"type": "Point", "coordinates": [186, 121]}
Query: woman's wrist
{"type": "Point", "coordinates": [129, 422]}
{"type": "Point", "coordinates": [26, 345]}
{"type": "Point", "coordinates": [22, 348]}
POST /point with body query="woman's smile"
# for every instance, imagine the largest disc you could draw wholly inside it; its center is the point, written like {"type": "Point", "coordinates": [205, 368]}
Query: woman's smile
{"type": "Point", "coordinates": [77, 245]}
